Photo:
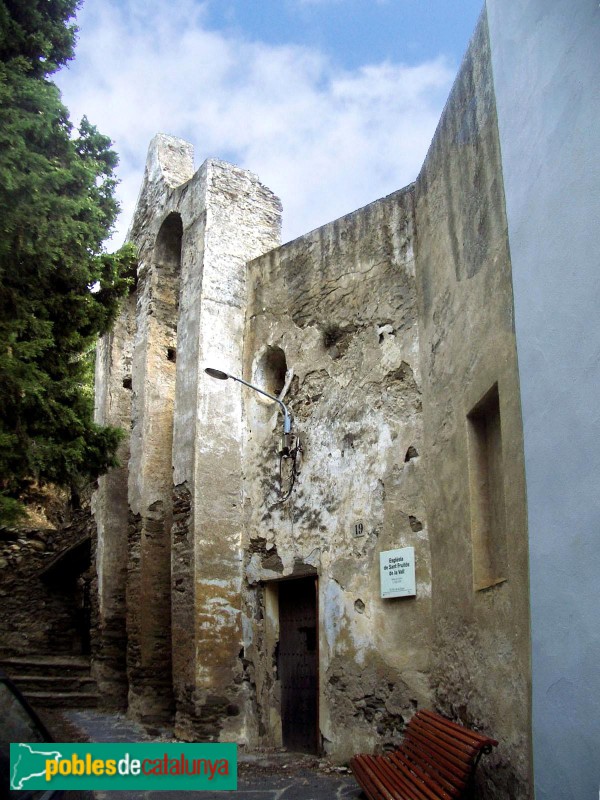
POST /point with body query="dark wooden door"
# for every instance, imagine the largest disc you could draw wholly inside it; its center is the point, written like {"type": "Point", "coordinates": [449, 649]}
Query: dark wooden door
{"type": "Point", "coordinates": [298, 664]}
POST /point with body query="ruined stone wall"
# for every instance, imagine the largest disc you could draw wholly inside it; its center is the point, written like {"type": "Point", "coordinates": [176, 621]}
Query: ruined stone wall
{"type": "Point", "coordinates": [133, 505]}
{"type": "Point", "coordinates": [169, 512]}
{"type": "Point", "coordinates": [473, 455]}
{"type": "Point", "coordinates": [150, 479]}
{"type": "Point", "coordinates": [338, 308]}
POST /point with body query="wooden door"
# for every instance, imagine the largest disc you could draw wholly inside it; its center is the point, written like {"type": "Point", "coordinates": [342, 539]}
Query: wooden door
{"type": "Point", "coordinates": [298, 664]}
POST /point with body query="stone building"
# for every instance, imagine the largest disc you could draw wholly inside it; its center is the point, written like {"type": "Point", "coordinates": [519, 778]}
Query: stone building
{"type": "Point", "coordinates": [239, 583]}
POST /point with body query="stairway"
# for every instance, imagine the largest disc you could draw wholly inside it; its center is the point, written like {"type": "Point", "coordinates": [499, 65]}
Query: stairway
{"type": "Point", "coordinates": [62, 681]}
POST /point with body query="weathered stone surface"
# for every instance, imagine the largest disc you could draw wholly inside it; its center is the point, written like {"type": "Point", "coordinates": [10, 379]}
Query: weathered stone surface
{"type": "Point", "coordinates": [467, 345]}
{"type": "Point", "coordinates": [243, 222]}
{"type": "Point", "coordinates": [113, 406]}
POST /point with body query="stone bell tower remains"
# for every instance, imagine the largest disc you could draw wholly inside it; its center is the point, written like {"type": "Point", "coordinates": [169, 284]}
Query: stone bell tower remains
{"type": "Point", "coordinates": [178, 570]}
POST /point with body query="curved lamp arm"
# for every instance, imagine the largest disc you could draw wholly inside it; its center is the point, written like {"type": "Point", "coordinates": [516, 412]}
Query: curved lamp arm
{"type": "Point", "coordinates": [222, 376]}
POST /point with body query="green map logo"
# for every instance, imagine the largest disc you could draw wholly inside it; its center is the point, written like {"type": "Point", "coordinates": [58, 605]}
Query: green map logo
{"type": "Point", "coordinates": [29, 763]}
{"type": "Point", "coordinates": [146, 766]}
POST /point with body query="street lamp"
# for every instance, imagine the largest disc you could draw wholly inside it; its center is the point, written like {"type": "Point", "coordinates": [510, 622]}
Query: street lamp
{"type": "Point", "coordinates": [287, 420]}
{"type": "Point", "coordinates": [290, 450]}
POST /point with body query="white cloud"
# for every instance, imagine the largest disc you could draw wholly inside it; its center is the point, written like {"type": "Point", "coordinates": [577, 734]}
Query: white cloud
{"type": "Point", "coordinates": [325, 140]}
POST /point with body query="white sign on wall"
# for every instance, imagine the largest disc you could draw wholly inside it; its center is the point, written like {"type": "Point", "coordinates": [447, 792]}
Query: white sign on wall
{"type": "Point", "coordinates": [397, 572]}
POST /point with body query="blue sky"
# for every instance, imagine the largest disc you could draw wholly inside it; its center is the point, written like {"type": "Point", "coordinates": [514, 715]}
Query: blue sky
{"type": "Point", "coordinates": [355, 32]}
{"type": "Point", "coordinates": [331, 102]}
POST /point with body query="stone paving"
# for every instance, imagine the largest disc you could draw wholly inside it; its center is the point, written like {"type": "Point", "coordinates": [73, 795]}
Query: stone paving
{"type": "Point", "coordinates": [262, 775]}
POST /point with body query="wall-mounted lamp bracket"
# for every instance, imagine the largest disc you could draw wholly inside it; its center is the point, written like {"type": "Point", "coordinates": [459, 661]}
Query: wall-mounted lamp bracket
{"type": "Point", "coordinates": [290, 457]}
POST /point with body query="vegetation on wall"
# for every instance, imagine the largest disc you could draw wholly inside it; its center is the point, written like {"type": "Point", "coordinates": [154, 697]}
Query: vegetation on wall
{"type": "Point", "coordinates": [59, 289]}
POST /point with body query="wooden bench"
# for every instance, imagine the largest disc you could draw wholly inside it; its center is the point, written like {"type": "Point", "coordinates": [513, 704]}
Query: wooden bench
{"type": "Point", "coordinates": [436, 761]}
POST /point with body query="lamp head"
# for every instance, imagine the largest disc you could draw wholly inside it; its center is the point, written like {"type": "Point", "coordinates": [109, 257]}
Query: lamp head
{"type": "Point", "coordinates": [216, 373]}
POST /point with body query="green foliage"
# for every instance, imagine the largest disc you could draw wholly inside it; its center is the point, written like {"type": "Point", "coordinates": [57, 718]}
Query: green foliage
{"type": "Point", "coordinates": [59, 290]}
{"type": "Point", "coordinates": [37, 33]}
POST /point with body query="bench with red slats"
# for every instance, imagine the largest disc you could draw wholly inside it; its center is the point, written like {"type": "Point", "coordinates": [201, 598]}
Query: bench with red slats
{"type": "Point", "coordinates": [436, 761]}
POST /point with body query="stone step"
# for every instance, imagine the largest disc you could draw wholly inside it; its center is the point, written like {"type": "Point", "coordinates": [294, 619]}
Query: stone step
{"type": "Point", "coordinates": [53, 683]}
{"type": "Point", "coordinates": [63, 699]}
{"type": "Point", "coordinates": [46, 665]}
{"type": "Point", "coordinates": [61, 681]}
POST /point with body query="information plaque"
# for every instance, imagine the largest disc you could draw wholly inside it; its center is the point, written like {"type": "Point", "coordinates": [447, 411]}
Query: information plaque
{"type": "Point", "coordinates": [397, 572]}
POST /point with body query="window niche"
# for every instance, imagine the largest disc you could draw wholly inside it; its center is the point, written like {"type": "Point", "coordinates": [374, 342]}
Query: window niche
{"type": "Point", "coordinates": [486, 479]}
{"type": "Point", "coordinates": [270, 372]}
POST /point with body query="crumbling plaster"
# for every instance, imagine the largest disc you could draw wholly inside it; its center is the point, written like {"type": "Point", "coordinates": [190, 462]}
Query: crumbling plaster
{"type": "Point", "coordinates": [340, 303]}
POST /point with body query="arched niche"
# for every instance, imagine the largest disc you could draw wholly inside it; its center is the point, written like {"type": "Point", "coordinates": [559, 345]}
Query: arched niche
{"type": "Point", "coordinates": [151, 696]}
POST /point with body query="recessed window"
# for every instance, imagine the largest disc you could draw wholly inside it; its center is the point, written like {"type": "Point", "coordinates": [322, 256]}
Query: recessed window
{"type": "Point", "coordinates": [486, 477]}
{"type": "Point", "coordinates": [270, 371]}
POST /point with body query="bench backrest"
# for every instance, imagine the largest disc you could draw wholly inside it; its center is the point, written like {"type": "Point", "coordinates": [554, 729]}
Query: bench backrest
{"type": "Point", "coordinates": [443, 753]}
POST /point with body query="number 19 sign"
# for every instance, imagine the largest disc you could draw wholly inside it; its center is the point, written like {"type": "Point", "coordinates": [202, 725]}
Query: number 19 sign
{"type": "Point", "coordinates": [397, 572]}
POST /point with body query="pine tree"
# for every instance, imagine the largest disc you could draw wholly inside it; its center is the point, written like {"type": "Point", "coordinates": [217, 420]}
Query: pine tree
{"type": "Point", "coordinates": [59, 289]}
